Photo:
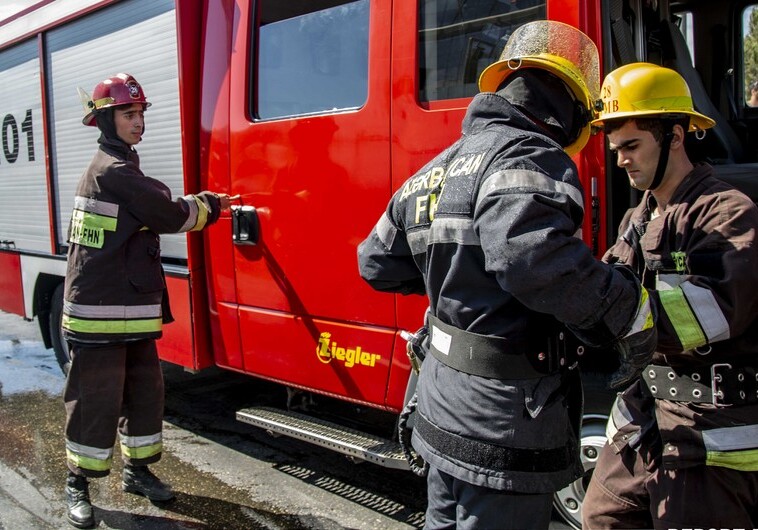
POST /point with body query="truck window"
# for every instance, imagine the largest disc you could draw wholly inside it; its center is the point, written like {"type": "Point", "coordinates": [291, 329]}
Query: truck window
{"type": "Point", "coordinates": [312, 57]}
{"type": "Point", "coordinates": [750, 54]}
{"type": "Point", "coordinates": [457, 40]}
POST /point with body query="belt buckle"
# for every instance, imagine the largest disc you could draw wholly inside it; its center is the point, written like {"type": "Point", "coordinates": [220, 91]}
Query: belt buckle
{"type": "Point", "coordinates": [716, 378]}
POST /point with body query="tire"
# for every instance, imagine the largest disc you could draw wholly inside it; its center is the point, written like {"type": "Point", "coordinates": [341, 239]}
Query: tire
{"type": "Point", "coordinates": [568, 501]}
{"type": "Point", "coordinates": [60, 346]}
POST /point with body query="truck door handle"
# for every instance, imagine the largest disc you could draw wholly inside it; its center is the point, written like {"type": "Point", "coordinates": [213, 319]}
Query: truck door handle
{"type": "Point", "coordinates": [245, 226]}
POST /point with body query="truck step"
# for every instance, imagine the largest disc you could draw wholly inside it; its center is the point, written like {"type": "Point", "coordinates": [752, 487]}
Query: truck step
{"type": "Point", "coordinates": [326, 434]}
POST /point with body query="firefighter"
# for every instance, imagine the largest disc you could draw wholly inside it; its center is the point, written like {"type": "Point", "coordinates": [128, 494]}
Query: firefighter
{"type": "Point", "coordinates": [683, 438]}
{"type": "Point", "coordinates": [115, 301]}
{"type": "Point", "coordinates": [490, 231]}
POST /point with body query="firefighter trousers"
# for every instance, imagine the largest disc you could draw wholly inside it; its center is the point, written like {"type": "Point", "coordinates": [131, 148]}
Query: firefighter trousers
{"type": "Point", "coordinates": [632, 490]}
{"type": "Point", "coordinates": [110, 389]}
{"type": "Point", "coordinates": [455, 504]}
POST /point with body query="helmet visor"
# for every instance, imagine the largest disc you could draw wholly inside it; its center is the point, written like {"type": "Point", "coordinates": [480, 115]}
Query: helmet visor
{"type": "Point", "coordinates": [548, 38]}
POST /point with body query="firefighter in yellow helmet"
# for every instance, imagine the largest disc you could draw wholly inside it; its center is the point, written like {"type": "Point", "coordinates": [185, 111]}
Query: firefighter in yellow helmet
{"type": "Point", "coordinates": [683, 437]}
{"type": "Point", "coordinates": [115, 301]}
{"type": "Point", "coordinates": [487, 230]}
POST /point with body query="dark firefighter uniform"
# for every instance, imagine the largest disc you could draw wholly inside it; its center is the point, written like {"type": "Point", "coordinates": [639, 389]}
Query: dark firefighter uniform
{"type": "Point", "coordinates": [115, 305]}
{"type": "Point", "coordinates": [695, 412]}
{"type": "Point", "coordinates": [490, 230]}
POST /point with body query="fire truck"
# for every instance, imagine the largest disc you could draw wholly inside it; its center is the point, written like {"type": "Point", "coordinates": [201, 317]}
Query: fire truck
{"type": "Point", "coordinates": [314, 112]}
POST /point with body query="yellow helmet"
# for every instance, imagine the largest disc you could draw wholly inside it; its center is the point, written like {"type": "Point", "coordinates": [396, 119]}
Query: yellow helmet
{"type": "Point", "coordinates": [640, 90]}
{"type": "Point", "coordinates": [562, 50]}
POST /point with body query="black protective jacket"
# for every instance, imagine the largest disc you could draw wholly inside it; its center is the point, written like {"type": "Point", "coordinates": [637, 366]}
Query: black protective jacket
{"type": "Point", "coordinates": [490, 231]}
{"type": "Point", "coordinates": [114, 289]}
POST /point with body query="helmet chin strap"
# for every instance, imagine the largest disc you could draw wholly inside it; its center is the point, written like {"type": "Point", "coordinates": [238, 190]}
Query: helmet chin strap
{"type": "Point", "coordinates": [663, 160]}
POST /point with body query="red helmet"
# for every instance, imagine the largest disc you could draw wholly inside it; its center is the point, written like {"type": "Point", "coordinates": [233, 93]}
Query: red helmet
{"type": "Point", "coordinates": [120, 89]}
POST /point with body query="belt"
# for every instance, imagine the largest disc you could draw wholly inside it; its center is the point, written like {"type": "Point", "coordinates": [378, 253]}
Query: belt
{"type": "Point", "coordinates": [719, 384]}
{"type": "Point", "coordinates": [497, 357]}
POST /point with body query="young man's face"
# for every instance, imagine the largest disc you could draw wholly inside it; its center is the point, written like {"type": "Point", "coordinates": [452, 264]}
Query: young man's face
{"type": "Point", "coordinates": [130, 122]}
{"type": "Point", "coordinates": [637, 152]}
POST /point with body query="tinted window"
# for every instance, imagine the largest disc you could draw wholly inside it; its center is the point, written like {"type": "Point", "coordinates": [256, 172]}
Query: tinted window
{"type": "Point", "coordinates": [457, 40]}
{"type": "Point", "coordinates": [312, 56]}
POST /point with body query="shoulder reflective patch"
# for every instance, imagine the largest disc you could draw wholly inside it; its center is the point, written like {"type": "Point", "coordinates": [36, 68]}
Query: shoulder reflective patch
{"type": "Point", "coordinates": [511, 179]}
{"type": "Point", "coordinates": [457, 230]}
{"type": "Point", "coordinates": [386, 231]}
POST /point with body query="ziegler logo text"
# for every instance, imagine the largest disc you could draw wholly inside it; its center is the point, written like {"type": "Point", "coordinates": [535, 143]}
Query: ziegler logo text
{"type": "Point", "coordinates": [328, 350]}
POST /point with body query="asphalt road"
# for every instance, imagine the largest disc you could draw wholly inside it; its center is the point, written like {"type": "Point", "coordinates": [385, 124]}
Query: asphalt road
{"type": "Point", "coordinates": [227, 474]}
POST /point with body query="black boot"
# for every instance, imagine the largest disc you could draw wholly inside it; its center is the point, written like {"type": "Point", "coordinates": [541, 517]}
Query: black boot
{"type": "Point", "coordinates": [140, 480]}
{"type": "Point", "coordinates": [79, 506]}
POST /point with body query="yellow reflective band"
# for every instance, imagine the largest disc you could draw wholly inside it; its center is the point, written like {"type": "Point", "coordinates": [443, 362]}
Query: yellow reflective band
{"type": "Point", "coordinates": [138, 453]}
{"type": "Point", "coordinates": [83, 325]}
{"type": "Point", "coordinates": [739, 460]}
{"type": "Point", "coordinates": [683, 319]}
{"type": "Point", "coordinates": [645, 302]}
{"type": "Point", "coordinates": [88, 229]}
{"type": "Point", "coordinates": [93, 220]}
{"type": "Point", "coordinates": [202, 215]}
{"type": "Point", "coordinates": [673, 103]}
{"type": "Point", "coordinates": [85, 462]}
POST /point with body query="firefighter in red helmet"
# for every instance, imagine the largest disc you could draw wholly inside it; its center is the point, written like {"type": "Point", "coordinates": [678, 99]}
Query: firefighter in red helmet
{"type": "Point", "coordinates": [115, 301]}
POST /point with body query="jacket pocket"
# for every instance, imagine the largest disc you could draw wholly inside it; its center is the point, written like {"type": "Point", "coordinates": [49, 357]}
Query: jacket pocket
{"type": "Point", "coordinates": [148, 282]}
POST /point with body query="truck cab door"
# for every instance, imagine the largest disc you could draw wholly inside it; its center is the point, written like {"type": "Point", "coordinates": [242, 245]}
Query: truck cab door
{"type": "Point", "coordinates": [309, 151]}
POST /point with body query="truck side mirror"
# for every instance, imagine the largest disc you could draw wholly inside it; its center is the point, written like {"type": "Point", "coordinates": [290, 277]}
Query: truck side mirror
{"type": "Point", "coordinates": [245, 226]}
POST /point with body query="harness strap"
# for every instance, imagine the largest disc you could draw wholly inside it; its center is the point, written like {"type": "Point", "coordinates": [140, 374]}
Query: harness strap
{"type": "Point", "coordinates": [720, 384]}
{"type": "Point", "coordinates": [496, 357]}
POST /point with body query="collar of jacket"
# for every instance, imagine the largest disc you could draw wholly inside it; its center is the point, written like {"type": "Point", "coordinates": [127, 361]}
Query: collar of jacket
{"type": "Point", "coordinates": [488, 108]}
{"type": "Point", "coordinates": [698, 173]}
{"type": "Point", "coordinates": [116, 147]}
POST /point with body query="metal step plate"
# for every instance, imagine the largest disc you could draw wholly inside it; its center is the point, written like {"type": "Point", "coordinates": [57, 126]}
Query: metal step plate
{"type": "Point", "coordinates": [326, 434]}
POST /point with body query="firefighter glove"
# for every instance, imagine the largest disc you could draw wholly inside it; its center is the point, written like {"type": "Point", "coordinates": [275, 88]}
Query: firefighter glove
{"type": "Point", "coordinates": [637, 346]}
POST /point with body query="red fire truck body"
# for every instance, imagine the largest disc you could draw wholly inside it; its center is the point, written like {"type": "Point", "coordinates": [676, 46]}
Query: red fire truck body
{"type": "Point", "coordinates": [314, 112]}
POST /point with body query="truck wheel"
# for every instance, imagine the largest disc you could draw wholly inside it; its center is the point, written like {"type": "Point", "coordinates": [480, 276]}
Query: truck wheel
{"type": "Point", "coordinates": [60, 346]}
{"type": "Point", "coordinates": [568, 501]}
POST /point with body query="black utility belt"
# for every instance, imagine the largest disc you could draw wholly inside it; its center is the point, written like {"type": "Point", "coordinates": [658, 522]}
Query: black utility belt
{"type": "Point", "coordinates": [720, 384]}
{"type": "Point", "coordinates": [496, 357]}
